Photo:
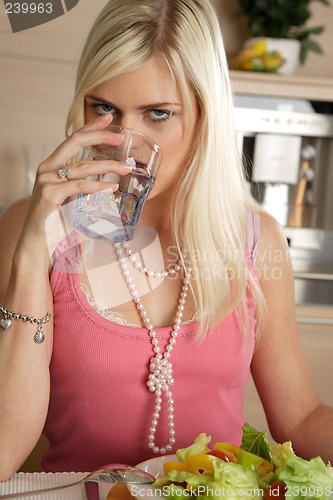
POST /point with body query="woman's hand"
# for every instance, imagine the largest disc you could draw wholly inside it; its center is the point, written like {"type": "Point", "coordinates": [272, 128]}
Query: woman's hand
{"type": "Point", "coordinates": [50, 191]}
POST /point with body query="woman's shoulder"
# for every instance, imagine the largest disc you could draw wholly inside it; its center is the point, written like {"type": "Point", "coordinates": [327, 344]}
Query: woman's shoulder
{"type": "Point", "coordinates": [271, 231]}
{"type": "Point", "coordinates": [272, 245]}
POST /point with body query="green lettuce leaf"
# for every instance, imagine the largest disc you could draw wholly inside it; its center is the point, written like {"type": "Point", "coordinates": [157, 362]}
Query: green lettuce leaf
{"type": "Point", "coordinates": [307, 479]}
{"type": "Point", "coordinates": [256, 442]}
{"type": "Point", "coordinates": [280, 454]}
{"type": "Point", "coordinates": [236, 481]}
{"type": "Point", "coordinates": [199, 446]}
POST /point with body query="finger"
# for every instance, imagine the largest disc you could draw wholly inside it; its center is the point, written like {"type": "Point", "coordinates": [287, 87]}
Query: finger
{"type": "Point", "coordinates": [56, 194]}
{"type": "Point", "coordinates": [90, 135]}
{"type": "Point", "coordinates": [88, 168]}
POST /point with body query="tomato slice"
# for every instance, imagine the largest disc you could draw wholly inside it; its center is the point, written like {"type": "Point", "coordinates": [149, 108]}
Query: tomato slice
{"type": "Point", "coordinates": [276, 491]}
{"type": "Point", "coordinates": [219, 454]}
{"type": "Point", "coordinates": [230, 450]}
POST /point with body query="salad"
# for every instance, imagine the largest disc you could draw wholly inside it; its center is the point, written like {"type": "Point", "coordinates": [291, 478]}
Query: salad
{"type": "Point", "coordinates": [257, 470]}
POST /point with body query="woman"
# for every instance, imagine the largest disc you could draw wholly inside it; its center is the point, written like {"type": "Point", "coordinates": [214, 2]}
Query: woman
{"type": "Point", "coordinates": [157, 66]}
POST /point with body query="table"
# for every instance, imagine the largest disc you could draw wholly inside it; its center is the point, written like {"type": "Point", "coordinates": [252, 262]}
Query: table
{"type": "Point", "coordinates": [29, 481]}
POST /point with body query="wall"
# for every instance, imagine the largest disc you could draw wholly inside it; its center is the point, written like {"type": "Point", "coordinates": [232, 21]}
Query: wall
{"type": "Point", "coordinates": [37, 80]}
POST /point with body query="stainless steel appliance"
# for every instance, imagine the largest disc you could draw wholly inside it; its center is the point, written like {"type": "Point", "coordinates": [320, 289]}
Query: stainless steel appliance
{"type": "Point", "coordinates": [288, 152]}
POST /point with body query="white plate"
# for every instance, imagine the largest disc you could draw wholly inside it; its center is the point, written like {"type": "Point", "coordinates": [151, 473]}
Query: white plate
{"type": "Point", "coordinates": [155, 467]}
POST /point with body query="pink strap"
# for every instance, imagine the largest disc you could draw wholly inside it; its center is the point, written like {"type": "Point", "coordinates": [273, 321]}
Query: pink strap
{"type": "Point", "coordinates": [252, 234]}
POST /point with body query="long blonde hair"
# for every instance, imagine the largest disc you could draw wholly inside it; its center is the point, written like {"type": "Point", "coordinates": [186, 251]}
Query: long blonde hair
{"type": "Point", "coordinates": [212, 198]}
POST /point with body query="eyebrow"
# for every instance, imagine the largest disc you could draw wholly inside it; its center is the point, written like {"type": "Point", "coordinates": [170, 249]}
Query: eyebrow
{"type": "Point", "coordinates": [144, 106]}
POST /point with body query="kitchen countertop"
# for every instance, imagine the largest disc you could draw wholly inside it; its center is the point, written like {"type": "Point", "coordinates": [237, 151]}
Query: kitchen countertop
{"type": "Point", "coordinates": [314, 314]}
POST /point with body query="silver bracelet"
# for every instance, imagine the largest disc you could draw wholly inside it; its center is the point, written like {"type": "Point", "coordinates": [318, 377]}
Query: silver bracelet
{"type": "Point", "coordinates": [6, 323]}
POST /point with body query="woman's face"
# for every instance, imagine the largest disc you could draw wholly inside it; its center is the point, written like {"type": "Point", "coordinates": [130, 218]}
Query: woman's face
{"type": "Point", "coordinates": [143, 100]}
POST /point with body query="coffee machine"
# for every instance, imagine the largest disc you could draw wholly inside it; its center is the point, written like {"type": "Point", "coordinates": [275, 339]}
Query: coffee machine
{"type": "Point", "coordinates": [288, 153]}
{"type": "Point", "coordinates": [287, 146]}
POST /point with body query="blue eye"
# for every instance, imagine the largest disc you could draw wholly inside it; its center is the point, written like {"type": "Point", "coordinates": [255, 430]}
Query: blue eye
{"type": "Point", "coordinates": [102, 109]}
{"type": "Point", "coordinates": [159, 115]}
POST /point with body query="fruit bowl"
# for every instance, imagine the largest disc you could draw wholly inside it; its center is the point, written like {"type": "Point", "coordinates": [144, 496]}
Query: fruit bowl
{"type": "Point", "coordinates": [257, 57]}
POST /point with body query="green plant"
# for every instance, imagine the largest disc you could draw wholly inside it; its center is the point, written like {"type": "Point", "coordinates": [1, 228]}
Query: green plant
{"type": "Point", "coordinates": [282, 19]}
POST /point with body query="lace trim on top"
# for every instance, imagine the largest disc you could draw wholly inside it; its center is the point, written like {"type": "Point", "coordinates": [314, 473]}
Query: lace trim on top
{"type": "Point", "coordinates": [102, 310]}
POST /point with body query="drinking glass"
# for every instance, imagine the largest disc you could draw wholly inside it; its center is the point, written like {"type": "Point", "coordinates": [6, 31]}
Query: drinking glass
{"type": "Point", "coordinates": [113, 217]}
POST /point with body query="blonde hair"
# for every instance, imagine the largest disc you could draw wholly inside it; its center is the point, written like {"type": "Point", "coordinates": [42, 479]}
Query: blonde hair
{"type": "Point", "coordinates": [212, 198]}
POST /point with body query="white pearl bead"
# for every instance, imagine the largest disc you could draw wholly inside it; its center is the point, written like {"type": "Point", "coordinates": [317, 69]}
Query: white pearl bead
{"type": "Point", "coordinates": [172, 440]}
{"type": "Point", "coordinates": [151, 445]}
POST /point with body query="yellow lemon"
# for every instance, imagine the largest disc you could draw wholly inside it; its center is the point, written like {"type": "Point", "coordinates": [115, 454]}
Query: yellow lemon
{"type": "Point", "coordinates": [259, 47]}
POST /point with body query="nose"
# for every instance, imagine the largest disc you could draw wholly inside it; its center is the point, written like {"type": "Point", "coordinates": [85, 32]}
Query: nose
{"type": "Point", "coordinates": [126, 120]}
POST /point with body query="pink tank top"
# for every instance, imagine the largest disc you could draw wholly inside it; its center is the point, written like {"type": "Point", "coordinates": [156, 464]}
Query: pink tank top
{"type": "Point", "coordinates": [100, 408]}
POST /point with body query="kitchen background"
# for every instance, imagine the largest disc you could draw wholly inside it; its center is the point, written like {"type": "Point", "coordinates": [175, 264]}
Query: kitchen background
{"type": "Point", "coordinates": [37, 78]}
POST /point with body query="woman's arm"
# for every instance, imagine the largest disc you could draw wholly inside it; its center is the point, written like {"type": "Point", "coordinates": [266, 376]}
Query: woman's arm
{"type": "Point", "coordinates": [279, 370]}
{"type": "Point", "coordinates": [24, 372]}
{"type": "Point", "coordinates": [26, 232]}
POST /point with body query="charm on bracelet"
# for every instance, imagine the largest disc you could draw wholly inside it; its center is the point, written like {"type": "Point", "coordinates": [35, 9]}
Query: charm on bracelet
{"type": "Point", "coordinates": [6, 322]}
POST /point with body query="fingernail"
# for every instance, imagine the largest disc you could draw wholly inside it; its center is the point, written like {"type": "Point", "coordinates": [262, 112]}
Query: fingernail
{"type": "Point", "coordinates": [107, 116]}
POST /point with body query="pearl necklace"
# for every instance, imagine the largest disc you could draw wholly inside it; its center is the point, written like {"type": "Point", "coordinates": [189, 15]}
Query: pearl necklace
{"type": "Point", "coordinates": [160, 369]}
{"type": "Point", "coordinates": [143, 269]}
